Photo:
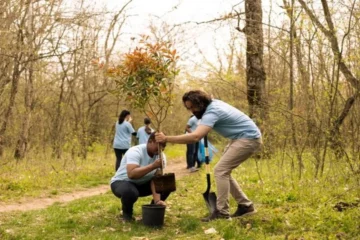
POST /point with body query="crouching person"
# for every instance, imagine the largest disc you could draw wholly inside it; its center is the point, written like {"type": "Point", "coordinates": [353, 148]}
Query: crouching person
{"type": "Point", "coordinates": [133, 179]}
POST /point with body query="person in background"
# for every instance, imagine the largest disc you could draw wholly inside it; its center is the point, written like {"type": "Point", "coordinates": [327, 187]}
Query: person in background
{"type": "Point", "coordinates": [144, 132]}
{"type": "Point", "coordinates": [245, 139]}
{"type": "Point", "coordinates": [133, 179]}
{"type": "Point", "coordinates": [122, 138]}
{"type": "Point", "coordinates": [192, 148]}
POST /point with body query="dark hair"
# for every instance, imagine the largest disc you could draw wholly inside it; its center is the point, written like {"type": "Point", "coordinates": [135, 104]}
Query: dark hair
{"type": "Point", "coordinates": [123, 115]}
{"type": "Point", "coordinates": [198, 98]}
{"type": "Point", "coordinates": [147, 121]}
{"type": "Point", "coordinates": [152, 139]}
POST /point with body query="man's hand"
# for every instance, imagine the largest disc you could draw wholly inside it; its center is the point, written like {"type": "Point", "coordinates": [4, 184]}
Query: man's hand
{"type": "Point", "coordinates": [160, 137]}
{"type": "Point", "coordinates": [157, 163]}
{"type": "Point", "coordinates": [160, 203]}
{"type": "Point", "coordinates": [158, 172]}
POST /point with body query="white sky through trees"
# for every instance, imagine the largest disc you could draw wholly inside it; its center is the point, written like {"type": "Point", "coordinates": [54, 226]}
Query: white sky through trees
{"type": "Point", "coordinates": [207, 38]}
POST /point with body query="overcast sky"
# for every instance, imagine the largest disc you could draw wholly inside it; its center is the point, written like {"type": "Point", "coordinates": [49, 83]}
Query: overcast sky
{"type": "Point", "coordinates": [204, 37]}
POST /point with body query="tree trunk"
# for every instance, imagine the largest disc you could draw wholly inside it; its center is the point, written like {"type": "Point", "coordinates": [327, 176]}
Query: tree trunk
{"type": "Point", "coordinates": [255, 73]}
{"type": "Point", "coordinates": [19, 66]}
{"type": "Point", "coordinates": [14, 89]}
{"type": "Point", "coordinates": [335, 136]}
{"type": "Point", "coordinates": [290, 11]}
{"type": "Point", "coordinates": [57, 133]}
{"type": "Point", "coordinates": [22, 143]}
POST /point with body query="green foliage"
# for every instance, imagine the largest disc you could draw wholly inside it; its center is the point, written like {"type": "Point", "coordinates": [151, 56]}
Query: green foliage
{"type": "Point", "coordinates": [146, 77]}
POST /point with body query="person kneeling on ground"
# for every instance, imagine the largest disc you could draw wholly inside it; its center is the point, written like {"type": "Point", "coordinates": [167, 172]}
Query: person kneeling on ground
{"type": "Point", "coordinates": [133, 179]}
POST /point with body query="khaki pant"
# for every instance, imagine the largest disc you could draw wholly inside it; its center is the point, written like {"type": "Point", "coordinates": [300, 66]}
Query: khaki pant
{"type": "Point", "coordinates": [235, 153]}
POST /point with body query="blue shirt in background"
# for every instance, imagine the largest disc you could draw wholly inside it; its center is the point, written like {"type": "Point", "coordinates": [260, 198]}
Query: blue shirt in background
{"type": "Point", "coordinates": [193, 123]}
{"type": "Point", "coordinates": [229, 122]}
{"type": "Point", "coordinates": [136, 155]}
{"type": "Point", "coordinates": [122, 139]}
{"type": "Point", "coordinates": [142, 135]}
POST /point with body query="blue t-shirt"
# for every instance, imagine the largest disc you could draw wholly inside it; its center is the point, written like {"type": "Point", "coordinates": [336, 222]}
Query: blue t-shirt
{"type": "Point", "coordinates": [136, 155]}
{"type": "Point", "coordinates": [192, 123]}
{"type": "Point", "coordinates": [122, 139]}
{"type": "Point", "coordinates": [142, 135]}
{"type": "Point", "coordinates": [229, 121]}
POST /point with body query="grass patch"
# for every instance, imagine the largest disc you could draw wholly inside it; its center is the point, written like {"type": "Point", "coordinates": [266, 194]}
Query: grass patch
{"type": "Point", "coordinates": [175, 151]}
{"type": "Point", "coordinates": [288, 208]}
{"type": "Point", "coordinates": [33, 178]}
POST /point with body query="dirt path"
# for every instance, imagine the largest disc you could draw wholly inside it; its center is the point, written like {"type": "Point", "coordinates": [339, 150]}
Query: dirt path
{"type": "Point", "coordinates": [176, 166]}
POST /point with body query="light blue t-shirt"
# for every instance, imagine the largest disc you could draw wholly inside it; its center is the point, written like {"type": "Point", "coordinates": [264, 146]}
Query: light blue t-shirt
{"type": "Point", "coordinates": [136, 155]}
{"type": "Point", "coordinates": [192, 122]}
{"type": "Point", "coordinates": [142, 135]}
{"type": "Point", "coordinates": [122, 139]}
{"type": "Point", "coordinates": [229, 121]}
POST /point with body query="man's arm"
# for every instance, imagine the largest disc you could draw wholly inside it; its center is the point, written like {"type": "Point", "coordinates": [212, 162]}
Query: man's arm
{"type": "Point", "coordinates": [193, 137]}
{"type": "Point", "coordinates": [134, 171]}
{"type": "Point", "coordinates": [156, 196]}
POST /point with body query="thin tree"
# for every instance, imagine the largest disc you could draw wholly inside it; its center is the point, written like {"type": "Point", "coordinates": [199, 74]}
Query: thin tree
{"type": "Point", "coordinates": [331, 34]}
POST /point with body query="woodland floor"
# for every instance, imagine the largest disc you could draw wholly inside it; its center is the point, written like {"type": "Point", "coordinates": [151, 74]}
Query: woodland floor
{"type": "Point", "coordinates": [176, 166]}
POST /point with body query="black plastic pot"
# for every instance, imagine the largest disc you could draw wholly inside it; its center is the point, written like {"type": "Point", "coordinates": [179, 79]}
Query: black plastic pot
{"type": "Point", "coordinates": [153, 215]}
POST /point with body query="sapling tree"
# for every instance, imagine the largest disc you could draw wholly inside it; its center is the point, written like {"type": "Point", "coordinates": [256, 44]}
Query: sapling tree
{"type": "Point", "coordinates": [146, 76]}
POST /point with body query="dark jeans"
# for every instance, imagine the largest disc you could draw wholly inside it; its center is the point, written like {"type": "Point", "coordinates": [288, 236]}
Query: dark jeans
{"type": "Point", "coordinates": [191, 155]}
{"type": "Point", "coordinates": [129, 192]}
{"type": "Point", "coordinates": [196, 158]}
{"type": "Point", "coordinates": [119, 154]}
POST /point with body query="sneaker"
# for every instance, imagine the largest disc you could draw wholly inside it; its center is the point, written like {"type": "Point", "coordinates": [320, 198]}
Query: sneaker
{"type": "Point", "coordinates": [193, 169]}
{"type": "Point", "coordinates": [244, 210]}
{"type": "Point", "coordinates": [215, 215]}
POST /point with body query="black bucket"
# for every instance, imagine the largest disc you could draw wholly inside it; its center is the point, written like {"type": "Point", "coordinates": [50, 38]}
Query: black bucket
{"type": "Point", "coordinates": [153, 215]}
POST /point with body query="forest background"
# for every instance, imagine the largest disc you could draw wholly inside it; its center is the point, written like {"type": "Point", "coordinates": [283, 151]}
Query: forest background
{"type": "Point", "coordinates": [290, 65]}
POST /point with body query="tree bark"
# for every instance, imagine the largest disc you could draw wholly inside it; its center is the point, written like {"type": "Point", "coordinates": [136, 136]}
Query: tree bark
{"type": "Point", "coordinates": [255, 73]}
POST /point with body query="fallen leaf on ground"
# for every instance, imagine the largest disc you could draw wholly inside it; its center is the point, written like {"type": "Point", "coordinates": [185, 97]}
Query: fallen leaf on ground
{"type": "Point", "coordinates": [10, 231]}
{"type": "Point", "coordinates": [210, 231]}
{"type": "Point", "coordinates": [287, 223]}
{"type": "Point", "coordinates": [248, 226]}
